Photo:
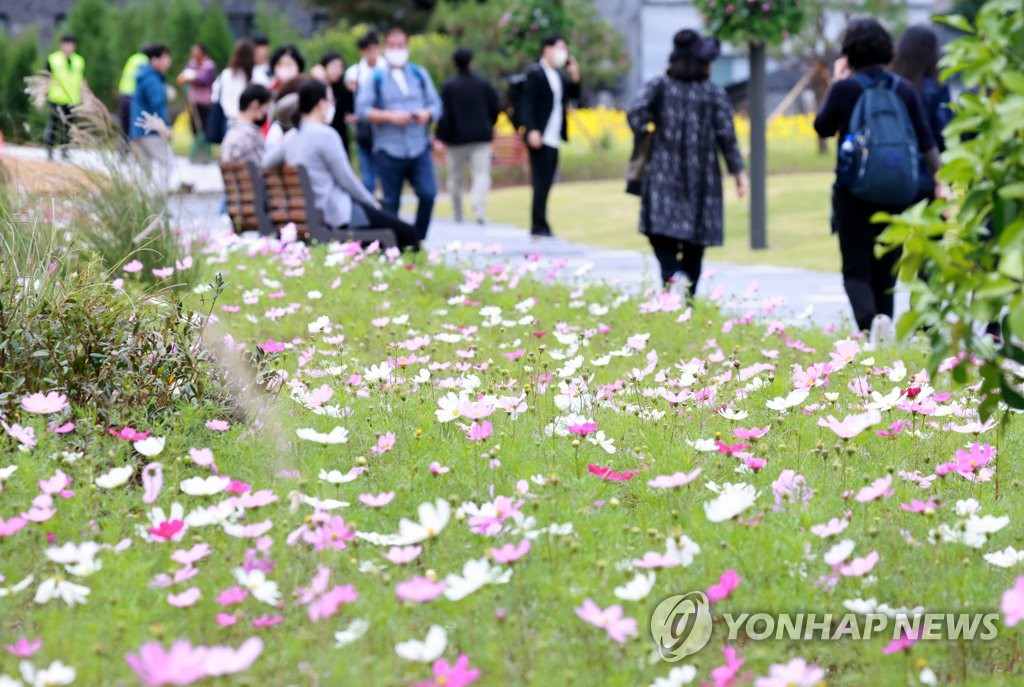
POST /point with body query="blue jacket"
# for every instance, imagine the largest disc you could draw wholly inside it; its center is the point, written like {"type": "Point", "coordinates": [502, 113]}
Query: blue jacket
{"type": "Point", "coordinates": [149, 96]}
{"type": "Point", "coordinates": [382, 93]}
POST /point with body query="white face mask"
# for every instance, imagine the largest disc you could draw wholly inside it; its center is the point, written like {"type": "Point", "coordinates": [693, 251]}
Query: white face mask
{"type": "Point", "coordinates": [559, 58]}
{"type": "Point", "coordinates": [286, 73]}
{"type": "Point", "coordinates": [331, 110]}
{"type": "Point", "coordinates": [397, 57]}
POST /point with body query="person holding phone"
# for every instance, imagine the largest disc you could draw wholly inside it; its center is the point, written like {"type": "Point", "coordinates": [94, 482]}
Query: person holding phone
{"type": "Point", "coordinates": [546, 96]}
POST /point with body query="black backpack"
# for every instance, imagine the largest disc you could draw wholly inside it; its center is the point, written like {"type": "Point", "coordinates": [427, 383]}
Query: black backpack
{"type": "Point", "coordinates": [516, 95]}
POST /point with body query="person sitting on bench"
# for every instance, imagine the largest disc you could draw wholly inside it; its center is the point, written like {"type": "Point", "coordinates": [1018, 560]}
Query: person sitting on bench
{"type": "Point", "coordinates": [340, 196]}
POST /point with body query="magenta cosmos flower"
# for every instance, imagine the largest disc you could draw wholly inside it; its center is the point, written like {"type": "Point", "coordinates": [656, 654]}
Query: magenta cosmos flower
{"type": "Point", "coordinates": [41, 404]}
{"type": "Point", "coordinates": [458, 674]}
{"type": "Point", "coordinates": [611, 475]}
{"type": "Point", "coordinates": [1012, 605]}
{"type": "Point", "coordinates": [610, 619]}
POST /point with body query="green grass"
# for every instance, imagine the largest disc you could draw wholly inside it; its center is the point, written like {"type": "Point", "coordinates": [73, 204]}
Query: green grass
{"type": "Point", "coordinates": [600, 213]}
{"type": "Point", "coordinates": [524, 632]}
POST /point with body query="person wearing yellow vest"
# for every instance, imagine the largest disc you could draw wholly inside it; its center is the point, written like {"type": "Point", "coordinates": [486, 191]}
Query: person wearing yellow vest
{"type": "Point", "coordinates": [67, 79]}
{"type": "Point", "coordinates": [126, 89]}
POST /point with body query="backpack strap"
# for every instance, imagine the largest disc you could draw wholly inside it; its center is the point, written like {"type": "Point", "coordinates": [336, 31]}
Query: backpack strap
{"type": "Point", "coordinates": [378, 82]}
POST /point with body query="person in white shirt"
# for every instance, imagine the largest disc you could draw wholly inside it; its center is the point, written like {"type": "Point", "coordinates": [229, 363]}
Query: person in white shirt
{"type": "Point", "coordinates": [547, 93]}
{"type": "Point", "coordinates": [261, 72]}
{"type": "Point", "coordinates": [227, 89]}
{"type": "Point", "coordinates": [356, 76]}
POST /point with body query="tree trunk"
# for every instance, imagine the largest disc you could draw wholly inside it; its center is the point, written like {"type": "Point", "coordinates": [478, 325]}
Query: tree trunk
{"type": "Point", "coordinates": [758, 148]}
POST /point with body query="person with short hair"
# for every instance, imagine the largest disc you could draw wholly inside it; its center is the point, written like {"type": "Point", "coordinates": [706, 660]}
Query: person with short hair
{"type": "Point", "coordinates": [401, 102]}
{"type": "Point", "coordinates": [261, 57]}
{"type": "Point", "coordinates": [67, 79]}
{"type": "Point", "coordinates": [151, 123]}
{"type": "Point", "coordinates": [340, 196]}
{"type": "Point", "coordinates": [198, 75]}
{"type": "Point", "coordinates": [244, 141]}
{"type": "Point", "coordinates": [357, 74]}
{"type": "Point", "coordinates": [286, 64]}
{"type": "Point", "coordinates": [546, 96]}
{"type": "Point", "coordinates": [333, 65]}
{"type": "Point", "coordinates": [869, 280]}
{"type": "Point", "coordinates": [126, 89]}
{"type": "Point", "coordinates": [471, 108]}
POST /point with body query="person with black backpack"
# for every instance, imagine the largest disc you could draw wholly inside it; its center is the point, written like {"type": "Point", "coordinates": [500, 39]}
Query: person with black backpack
{"type": "Point", "coordinates": [882, 129]}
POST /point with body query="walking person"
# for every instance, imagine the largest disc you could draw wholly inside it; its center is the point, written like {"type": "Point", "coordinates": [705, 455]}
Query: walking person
{"type": "Point", "coordinates": [198, 75]}
{"type": "Point", "coordinates": [471, 108]}
{"type": "Point", "coordinates": [401, 102]}
{"type": "Point", "coordinates": [126, 89]}
{"type": "Point", "coordinates": [339, 194]}
{"type": "Point", "coordinates": [357, 74]}
{"type": "Point", "coordinates": [344, 100]}
{"type": "Point", "coordinates": [546, 97]}
{"type": "Point", "coordinates": [681, 193]}
{"type": "Point", "coordinates": [869, 280]}
{"type": "Point", "coordinates": [151, 124]}
{"type": "Point", "coordinates": [67, 79]}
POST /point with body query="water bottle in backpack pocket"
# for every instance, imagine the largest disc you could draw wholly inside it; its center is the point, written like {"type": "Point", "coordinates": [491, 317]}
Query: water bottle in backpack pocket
{"type": "Point", "coordinates": [882, 167]}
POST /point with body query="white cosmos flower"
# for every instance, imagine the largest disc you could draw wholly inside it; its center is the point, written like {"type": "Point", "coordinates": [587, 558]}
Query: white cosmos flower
{"type": "Point", "coordinates": [5, 473]}
{"type": "Point", "coordinates": [730, 414]}
{"type": "Point", "coordinates": [475, 574]}
{"type": "Point", "coordinates": [839, 552]}
{"type": "Point", "coordinates": [71, 553]}
{"type": "Point", "coordinates": [794, 398]}
{"type": "Point", "coordinates": [212, 515]}
{"type": "Point", "coordinates": [427, 651]}
{"type": "Point", "coordinates": [636, 589]}
{"type": "Point", "coordinates": [256, 582]}
{"type": "Point", "coordinates": [10, 682]}
{"type": "Point", "coordinates": [321, 324]}
{"type": "Point", "coordinates": [732, 500]}
{"type": "Point", "coordinates": [1007, 558]}
{"type": "Point", "coordinates": [706, 445]}
{"type": "Point", "coordinates": [338, 435]}
{"type": "Point", "coordinates": [55, 674]}
{"type": "Point", "coordinates": [15, 588]}
{"type": "Point", "coordinates": [205, 486]}
{"type": "Point", "coordinates": [339, 477]}
{"type": "Point", "coordinates": [967, 507]}
{"type": "Point", "coordinates": [356, 629]}
{"type": "Point", "coordinates": [599, 439]}
{"type": "Point", "coordinates": [886, 402]}
{"type": "Point", "coordinates": [448, 407]}
{"type": "Point", "coordinates": [433, 518]}
{"type": "Point", "coordinates": [115, 477]}
{"type": "Point", "coordinates": [59, 588]}
{"type": "Point", "coordinates": [149, 447]}
{"type": "Point", "coordinates": [677, 677]}
{"type": "Point", "coordinates": [323, 504]}
{"type": "Point", "coordinates": [682, 549]}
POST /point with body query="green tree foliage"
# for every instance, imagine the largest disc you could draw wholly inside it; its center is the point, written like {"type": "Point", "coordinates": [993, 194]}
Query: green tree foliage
{"type": "Point", "coordinates": [971, 249]}
{"type": "Point", "coordinates": [340, 38]}
{"type": "Point", "coordinates": [412, 15]}
{"type": "Point", "coordinates": [753, 22]}
{"type": "Point", "coordinates": [274, 24]}
{"type": "Point", "coordinates": [215, 33]}
{"type": "Point", "coordinates": [92, 22]}
{"type": "Point", "coordinates": [18, 59]}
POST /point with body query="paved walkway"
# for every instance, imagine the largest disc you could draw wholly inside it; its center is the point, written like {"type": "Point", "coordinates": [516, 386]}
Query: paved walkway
{"type": "Point", "coordinates": [811, 296]}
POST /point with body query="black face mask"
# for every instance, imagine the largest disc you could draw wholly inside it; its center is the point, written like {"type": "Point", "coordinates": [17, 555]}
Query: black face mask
{"type": "Point", "coordinates": [261, 121]}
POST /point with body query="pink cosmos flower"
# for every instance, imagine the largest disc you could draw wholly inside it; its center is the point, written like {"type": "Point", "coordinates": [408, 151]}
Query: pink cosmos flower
{"type": "Point", "coordinates": [185, 599]}
{"type": "Point", "coordinates": [132, 267]}
{"type": "Point", "coordinates": [831, 528]}
{"type": "Point", "coordinates": [42, 509]}
{"type": "Point", "coordinates": [903, 643]}
{"type": "Point", "coordinates": [237, 487]}
{"type": "Point", "coordinates": [167, 529]}
{"type": "Point", "coordinates": [328, 604]}
{"type": "Point", "coordinates": [225, 619]}
{"type": "Point", "coordinates": [610, 620]}
{"type": "Point", "coordinates": [879, 489]}
{"type": "Point", "coordinates": [182, 664]}
{"type": "Point", "coordinates": [515, 355]}
{"type": "Point", "coordinates": [9, 527]}
{"type": "Point", "coordinates": [458, 674]}
{"type": "Point", "coordinates": [26, 436]}
{"type": "Point", "coordinates": [729, 449]}
{"type": "Point", "coordinates": [267, 620]}
{"type": "Point", "coordinates": [203, 457]}
{"type": "Point", "coordinates": [377, 501]}
{"type": "Point", "coordinates": [751, 433]}
{"type": "Point", "coordinates": [510, 553]}
{"type": "Point", "coordinates": [24, 647]}
{"type": "Point", "coordinates": [438, 469]}
{"type": "Point", "coordinates": [271, 346]}
{"type": "Point", "coordinates": [916, 506]}
{"type": "Point", "coordinates": [728, 675]}
{"type": "Point", "coordinates": [851, 425]}
{"type": "Point", "coordinates": [54, 485]}
{"type": "Point", "coordinates": [152, 482]}
{"type": "Point", "coordinates": [1012, 604]}
{"type": "Point", "coordinates": [256, 499]}
{"type": "Point", "coordinates": [129, 434]}
{"type": "Point", "coordinates": [333, 535]}
{"type": "Point", "coordinates": [726, 585]}
{"type": "Point", "coordinates": [251, 531]}
{"type": "Point", "coordinates": [611, 475]}
{"type": "Point", "coordinates": [656, 559]}
{"type": "Point", "coordinates": [44, 404]}
{"type": "Point", "coordinates": [796, 673]}
{"type": "Point", "coordinates": [790, 488]}
{"type": "Point", "coordinates": [217, 425]}
{"type": "Point", "coordinates": [582, 429]}
{"type": "Point", "coordinates": [400, 555]}
{"type": "Point", "coordinates": [968, 462]}
{"type": "Point", "coordinates": [492, 516]}
{"type": "Point", "coordinates": [162, 272]}
{"type": "Point", "coordinates": [859, 567]}
{"type": "Point", "coordinates": [232, 596]}
{"type": "Point", "coordinates": [61, 429]}
{"type": "Point", "coordinates": [675, 480]}
{"type": "Point", "coordinates": [385, 442]}
{"type": "Point", "coordinates": [419, 590]}
{"type": "Point", "coordinates": [894, 429]}
{"type": "Point", "coordinates": [479, 431]}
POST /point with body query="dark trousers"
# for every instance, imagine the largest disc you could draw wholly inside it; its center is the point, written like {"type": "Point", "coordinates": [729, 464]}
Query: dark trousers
{"type": "Point", "coordinates": [869, 281]}
{"type": "Point", "coordinates": [393, 171]}
{"type": "Point", "coordinates": [543, 163]}
{"type": "Point", "coordinates": [57, 126]}
{"type": "Point", "coordinates": [198, 114]}
{"type": "Point", "coordinates": [405, 233]}
{"type": "Point", "coordinates": [367, 167]}
{"type": "Point", "coordinates": [124, 114]}
{"type": "Point", "coordinates": [678, 256]}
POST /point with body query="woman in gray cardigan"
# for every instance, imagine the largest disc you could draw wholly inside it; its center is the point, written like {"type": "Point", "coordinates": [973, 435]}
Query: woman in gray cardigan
{"type": "Point", "coordinates": [681, 196]}
{"type": "Point", "coordinates": [340, 196]}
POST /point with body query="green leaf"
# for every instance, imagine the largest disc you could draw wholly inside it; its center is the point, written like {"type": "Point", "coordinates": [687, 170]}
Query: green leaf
{"type": "Point", "coordinates": [1012, 263]}
{"type": "Point", "coordinates": [1014, 190]}
{"type": "Point", "coordinates": [1014, 81]}
{"type": "Point", "coordinates": [957, 21]}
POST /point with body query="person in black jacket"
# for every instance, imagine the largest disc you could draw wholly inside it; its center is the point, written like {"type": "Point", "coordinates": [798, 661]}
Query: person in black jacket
{"type": "Point", "coordinates": [546, 95]}
{"type": "Point", "coordinates": [344, 100]}
{"type": "Point", "coordinates": [467, 129]}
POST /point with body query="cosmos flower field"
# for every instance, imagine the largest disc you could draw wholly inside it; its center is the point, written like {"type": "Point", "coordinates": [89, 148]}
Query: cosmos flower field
{"type": "Point", "coordinates": [491, 472]}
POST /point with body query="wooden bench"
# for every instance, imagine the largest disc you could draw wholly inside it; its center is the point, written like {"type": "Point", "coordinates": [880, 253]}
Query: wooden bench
{"type": "Point", "coordinates": [281, 196]}
{"type": "Point", "coordinates": [247, 203]}
{"type": "Point", "coordinates": [507, 150]}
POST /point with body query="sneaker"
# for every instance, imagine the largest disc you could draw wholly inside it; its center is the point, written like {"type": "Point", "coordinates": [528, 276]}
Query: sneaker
{"type": "Point", "coordinates": [882, 331]}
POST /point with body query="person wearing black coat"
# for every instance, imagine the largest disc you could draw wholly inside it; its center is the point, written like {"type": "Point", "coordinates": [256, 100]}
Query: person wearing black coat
{"type": "Point", "coordinates": [467, 129]}
{"type": "Point", "coordinates": [547, 93]}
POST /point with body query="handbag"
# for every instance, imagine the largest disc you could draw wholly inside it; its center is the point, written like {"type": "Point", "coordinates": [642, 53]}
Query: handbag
{"type": "Point", "coordinates": [216, 125]}
{"type": "Point", "coordinates": [643, 146]}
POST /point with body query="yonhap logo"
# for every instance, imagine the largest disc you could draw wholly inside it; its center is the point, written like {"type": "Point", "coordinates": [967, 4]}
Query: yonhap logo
{"type": "Point", "coordinates": [681, 625]}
